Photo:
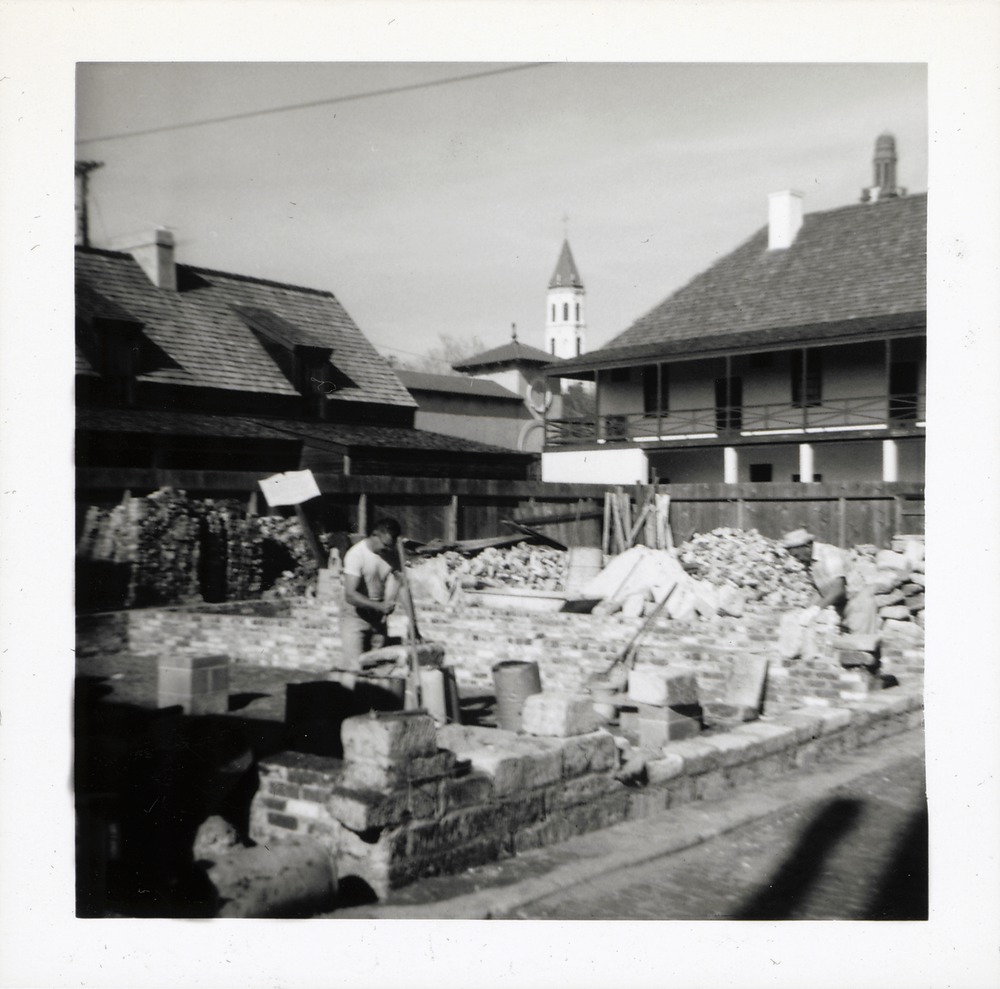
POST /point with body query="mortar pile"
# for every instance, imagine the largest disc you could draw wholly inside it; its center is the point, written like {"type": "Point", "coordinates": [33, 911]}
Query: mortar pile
{"type": "Point", "coordinates": [750, 562]}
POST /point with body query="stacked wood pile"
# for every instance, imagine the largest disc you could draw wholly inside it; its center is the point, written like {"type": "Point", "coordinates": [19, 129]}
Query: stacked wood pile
{"type": "Point", "coordinates": [175, 550]}
{"type": "Point", "coordinates": [753, 564]}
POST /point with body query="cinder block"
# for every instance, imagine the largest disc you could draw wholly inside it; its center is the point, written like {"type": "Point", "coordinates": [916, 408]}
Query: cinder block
{"type": "Point", "coordinates": [854, 658]}
{"type": "Point", "coordinates": [361, 810]}
{"type": "Point", "coordinates": [662, 685]}
{"type": "Point", "coordinates": [389, 735]}
{"type": "Point", "coordinates": [654, 734]}
{"type": "Point", "coordinates": [559, 715]}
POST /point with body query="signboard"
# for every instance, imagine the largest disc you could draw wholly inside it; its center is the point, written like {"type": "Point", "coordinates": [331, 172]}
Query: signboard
{"type": "Point", "coordinates": [291, 488]}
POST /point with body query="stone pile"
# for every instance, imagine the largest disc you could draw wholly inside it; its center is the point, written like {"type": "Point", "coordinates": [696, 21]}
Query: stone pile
{"type": "Point", "coordinates": [895, 577]}
{"type": "Point", "coordinates": [752, 563]}
{"type": "Point", "coordinates": [537, 568]}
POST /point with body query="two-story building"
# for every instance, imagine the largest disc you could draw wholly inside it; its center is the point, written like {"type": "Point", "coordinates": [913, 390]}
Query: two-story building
{"type": "Point", "coordinates": [800, 356]}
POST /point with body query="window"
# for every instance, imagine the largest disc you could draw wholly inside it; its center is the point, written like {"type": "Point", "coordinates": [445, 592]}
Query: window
{"type": "Point", "coordinates": [817, 478]}
{"type": "Point", "coordinates": [552, 345]}
{"type": "Point", "coordinates": [565, 312]}
{"type": "Point", "coordinates": [578, 312]}
{"type": "Point", "coordinates": [728, 404]}
{"type": "Point", "coordinates": [579, 349]}
{"type": "Point", "coordinates": [813, 382]}
{"type": "Point", "coordinates": [553, 312]}
{"type": "Point", "coordinates": [761, 472]}
{"type": "Point", "coordinates": [655, 401]}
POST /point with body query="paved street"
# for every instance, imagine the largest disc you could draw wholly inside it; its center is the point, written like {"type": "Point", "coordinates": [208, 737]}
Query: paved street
{"type": "Point", "coordinates": [857, 852]}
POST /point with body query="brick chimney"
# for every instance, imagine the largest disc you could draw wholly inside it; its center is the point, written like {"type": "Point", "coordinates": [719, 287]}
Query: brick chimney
{"type": "Point", "coordinates": [155, 253]}
{"type": "Point", "coordinates": [784, 218]}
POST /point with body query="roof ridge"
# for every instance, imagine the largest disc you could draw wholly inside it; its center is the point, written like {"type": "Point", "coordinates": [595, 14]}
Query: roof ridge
{"type": "Point", "coordinates": [217, 272]}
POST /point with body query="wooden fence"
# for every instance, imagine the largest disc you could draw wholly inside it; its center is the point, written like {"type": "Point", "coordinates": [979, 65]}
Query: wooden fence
{"type": "Point", "coordinates": [846, 514]}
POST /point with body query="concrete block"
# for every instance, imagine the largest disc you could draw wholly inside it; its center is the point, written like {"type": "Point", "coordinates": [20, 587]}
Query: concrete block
{"type": "Point", "coordinates": [665, 767]}
{"type": "Point", "coordinates": [733, 748]}
{"type": "Point", "coordinates": [744, 686]}
{"type": "Point", "coordinates": [385, 774]}
{"type": "Point", "coordinates": [593, 753]}
{"type": "Point", "coordinates": [390, 735]}
{"type": "Point", "coordinates": [662, 685]}
{"type": "Point", "coordinates": [559, 715]}
{"type": "Point", "coordinates": [855, 658]}
{"type": "Point", "coordinates": [581, 790]}
{"type": "Point", "coordinates": [465, 791]}
{"type": "Point", "coordinates": [213, 702]}
{"type": "Point", "coordinates": [362, 810]}
{"type": "Point", "coordinates": [698, 756]}
{"type": "Point", "coordinates": [654, 734]}
{"type": "Point", "coordinates": [719, 714]}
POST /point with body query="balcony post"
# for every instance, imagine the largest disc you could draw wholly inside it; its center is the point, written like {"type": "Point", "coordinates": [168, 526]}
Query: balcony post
{"type": "Point", "coordinates": [659, 398]}
{"type": "Point", "coordinates": [803, 385]}
{"type": "Point", "coordinates": [597, 404]}
{"type": "Point", "coordinates": [890, 460]}
{"type": "Point", "coordinates": [805, 463]}
{"type": "Point", "coordinates": [730, 465]}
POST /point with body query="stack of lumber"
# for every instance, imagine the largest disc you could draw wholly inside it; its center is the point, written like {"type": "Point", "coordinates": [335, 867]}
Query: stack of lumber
{"type": "Point", "coordinates": [644, 522]}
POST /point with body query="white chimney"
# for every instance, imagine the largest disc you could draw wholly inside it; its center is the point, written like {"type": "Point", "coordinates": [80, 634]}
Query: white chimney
{"type": "Point", "coordinates": [155, 253]}
{"type": "Point", "coordinates": [784, 218]}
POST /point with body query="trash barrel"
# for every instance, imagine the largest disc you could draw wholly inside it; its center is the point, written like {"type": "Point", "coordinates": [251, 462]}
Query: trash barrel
{"type": "Point", "coordinates": [514, 682]}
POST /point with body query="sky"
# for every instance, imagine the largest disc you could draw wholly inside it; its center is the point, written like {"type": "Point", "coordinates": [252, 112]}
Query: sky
{"type": "Point", "coordinates": [433, 210]}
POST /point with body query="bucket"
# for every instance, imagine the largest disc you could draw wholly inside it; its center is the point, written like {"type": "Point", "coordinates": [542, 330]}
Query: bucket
{"type": "Point", "coordinates": [514, 681]}
{"type": "Point", "coordinates": [583, 563]}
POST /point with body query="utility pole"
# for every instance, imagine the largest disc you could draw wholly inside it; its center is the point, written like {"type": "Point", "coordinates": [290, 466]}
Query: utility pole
{"type": "Point", "coordinates": [83, 170]}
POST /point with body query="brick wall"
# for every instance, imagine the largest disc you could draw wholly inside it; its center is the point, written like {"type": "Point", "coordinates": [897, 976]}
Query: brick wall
{"type": "Point", "coordinates": [567, 647]}
{"type": "Point", "coordinates": [465, 796]}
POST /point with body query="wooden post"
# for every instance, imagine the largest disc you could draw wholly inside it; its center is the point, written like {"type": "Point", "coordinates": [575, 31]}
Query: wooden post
{"type": "Point", "coordinates": [451, 521]}
{"type": "Point", "coordinates": [363, 514]}
{"type": "Point", "coordinates": [314, 544]}
{"type": "Point", "coordinates": [842, 522]}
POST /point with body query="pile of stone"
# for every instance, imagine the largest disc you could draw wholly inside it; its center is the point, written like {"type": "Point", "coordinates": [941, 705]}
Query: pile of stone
{"type": "Point", "coordinates": [537, 568]}
{"type": "Point", "coordinates": [895, 577]}
{"type": "Point", "coordinates": [753, 564]}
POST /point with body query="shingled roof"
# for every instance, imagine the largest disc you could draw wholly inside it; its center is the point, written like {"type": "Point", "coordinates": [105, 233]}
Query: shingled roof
{"type": "Point", "coordinates": [857, 268]}
{"type": "Point", "coordinates": [205, 329]}
{"type": "Point", "coordinates": [342, 436]}
{"type": "Point", "coordinates": [507, 355]}
{"type": "Point", "coordinates": [456, 384]}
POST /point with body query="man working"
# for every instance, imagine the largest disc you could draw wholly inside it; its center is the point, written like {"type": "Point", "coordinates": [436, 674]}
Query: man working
{"type": "Point", "coordinates": [836, 585]}
{"type": "Point", "coordinates": [371, 591]}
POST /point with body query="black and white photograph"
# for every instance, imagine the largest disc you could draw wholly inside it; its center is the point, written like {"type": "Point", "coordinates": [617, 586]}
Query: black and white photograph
{"type": "Point", "coordinates": [498, 485]}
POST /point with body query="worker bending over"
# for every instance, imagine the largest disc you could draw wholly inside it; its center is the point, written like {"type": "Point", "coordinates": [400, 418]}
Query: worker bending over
{"type": "Point", "coordinates": [372, 589]}
{"type": "Point", "coordinates": [836, 584]}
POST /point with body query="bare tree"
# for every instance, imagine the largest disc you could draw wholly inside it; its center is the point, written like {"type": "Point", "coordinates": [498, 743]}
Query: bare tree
{"type": "Point", "coordinates": [439, 358]}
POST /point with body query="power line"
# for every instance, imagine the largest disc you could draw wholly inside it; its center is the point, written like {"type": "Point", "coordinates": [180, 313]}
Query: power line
{"type": "Point", "coordinates": [314, 103]}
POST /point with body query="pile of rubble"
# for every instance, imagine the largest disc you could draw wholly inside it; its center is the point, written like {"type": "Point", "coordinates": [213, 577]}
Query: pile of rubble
{"type": "Point", "coordinates": [753, 564]}
{"type": "Point", "coordinates": [895, 577]}
{"type": "Point", "coordinates": [537, 568]}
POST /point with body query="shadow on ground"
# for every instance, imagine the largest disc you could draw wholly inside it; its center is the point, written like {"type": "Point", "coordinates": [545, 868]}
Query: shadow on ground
{"type": "Point", "coordinates": [901, 890]}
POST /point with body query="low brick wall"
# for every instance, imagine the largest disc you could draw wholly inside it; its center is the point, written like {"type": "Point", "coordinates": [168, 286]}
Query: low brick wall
{"type": "Point", "coordinates": [471, 796]}
{"type": "Point", "coordinates": [568, 648]}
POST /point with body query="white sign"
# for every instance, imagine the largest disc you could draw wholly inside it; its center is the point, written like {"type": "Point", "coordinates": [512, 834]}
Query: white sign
{"type": "Point", "coordinates": [291, 488]}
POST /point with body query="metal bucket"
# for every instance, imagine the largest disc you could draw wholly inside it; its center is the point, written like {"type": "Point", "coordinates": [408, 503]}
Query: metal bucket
{"type": "Point", "coordinates": [514, 682]}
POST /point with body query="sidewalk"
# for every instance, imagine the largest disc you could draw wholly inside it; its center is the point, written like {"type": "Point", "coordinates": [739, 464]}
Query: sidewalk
{"type": "Point", "coordinates": [495, 890]}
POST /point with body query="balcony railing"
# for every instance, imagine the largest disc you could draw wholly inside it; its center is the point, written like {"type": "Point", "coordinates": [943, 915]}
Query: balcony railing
{"type": "Point", "coordinates": [844, 415]}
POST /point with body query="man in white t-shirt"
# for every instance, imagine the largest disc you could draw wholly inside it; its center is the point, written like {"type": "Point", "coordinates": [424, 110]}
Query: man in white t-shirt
{"type": "Point", "coordinates": [371, 591]}
{"type": "Point", "coordinates": [837, 586]}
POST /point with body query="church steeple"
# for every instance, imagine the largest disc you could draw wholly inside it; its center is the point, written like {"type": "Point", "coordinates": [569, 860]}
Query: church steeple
{"type": "Point", "coordinates": [565, 321]}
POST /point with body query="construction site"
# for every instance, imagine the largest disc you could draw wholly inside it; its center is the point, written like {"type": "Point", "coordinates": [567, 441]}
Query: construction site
{"type": "Point", "coordinates": [230, 763]}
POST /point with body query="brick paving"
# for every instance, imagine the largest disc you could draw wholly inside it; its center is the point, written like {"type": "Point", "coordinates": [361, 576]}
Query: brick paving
{"type": "Point", "coordinates": [856, 853]}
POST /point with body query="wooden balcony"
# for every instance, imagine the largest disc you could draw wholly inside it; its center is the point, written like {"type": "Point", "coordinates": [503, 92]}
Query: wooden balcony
{"type": "Point", "coordinates": [868, 416]}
